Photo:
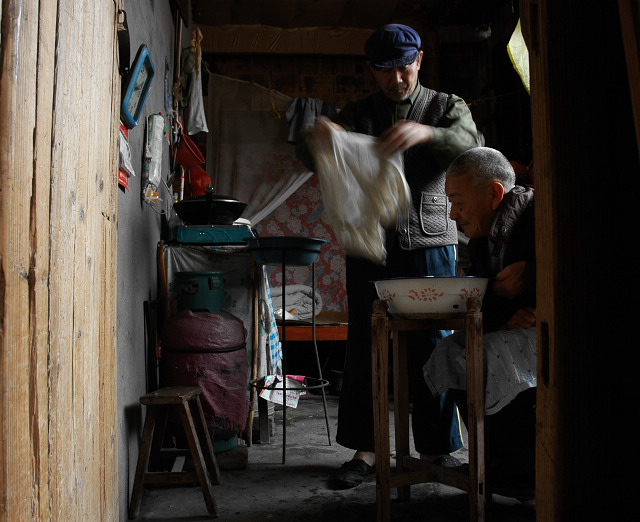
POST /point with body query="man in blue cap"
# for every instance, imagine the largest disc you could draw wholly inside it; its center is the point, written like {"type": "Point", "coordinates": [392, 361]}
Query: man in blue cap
{"type": "Point", "coordinates": [432, 129]}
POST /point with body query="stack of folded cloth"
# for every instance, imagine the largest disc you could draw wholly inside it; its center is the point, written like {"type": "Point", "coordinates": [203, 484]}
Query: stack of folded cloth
{"type": "Point", "coordinates": [298, 301]}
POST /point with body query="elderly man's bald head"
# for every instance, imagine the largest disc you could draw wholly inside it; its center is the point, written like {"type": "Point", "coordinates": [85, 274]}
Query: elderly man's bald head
{"type": "Point", "coordinates": [484, 165]}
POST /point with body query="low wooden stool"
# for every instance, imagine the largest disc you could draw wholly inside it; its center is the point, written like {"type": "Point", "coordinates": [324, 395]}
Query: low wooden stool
{"type": "Point", "coordinates": [187, 400]}
{"type": "Point", "coordinates": [411, 470]}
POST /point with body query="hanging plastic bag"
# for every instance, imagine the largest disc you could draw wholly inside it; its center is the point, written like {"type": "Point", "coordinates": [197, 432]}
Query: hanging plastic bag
{"type": "Point", "coordinates": [152, 167]}
{"type": "Point", "coordinates": [196, 119]}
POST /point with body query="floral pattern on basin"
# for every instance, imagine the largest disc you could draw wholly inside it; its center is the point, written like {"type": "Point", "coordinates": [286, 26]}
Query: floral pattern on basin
{"type": "Point", "coordinates": [426, 296]}
{"type": "Point", "coordinates": [385, 295]}
{"type": "Point", "coordinates": [474, 292]}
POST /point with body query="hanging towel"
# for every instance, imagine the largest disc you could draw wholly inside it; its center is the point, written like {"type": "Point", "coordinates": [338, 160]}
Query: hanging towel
{"type": "Point", "coordinates": [196, 120]}
{"type": "Point", "coordinates": [269, 328]}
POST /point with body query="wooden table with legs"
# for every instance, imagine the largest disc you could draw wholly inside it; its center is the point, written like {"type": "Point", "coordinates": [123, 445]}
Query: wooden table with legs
{"type": "Point", "coordinates": [412, 470]}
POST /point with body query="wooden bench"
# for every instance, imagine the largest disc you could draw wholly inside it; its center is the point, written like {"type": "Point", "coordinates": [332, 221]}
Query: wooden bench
{"type": "Point", "coordinates": [186, 400]}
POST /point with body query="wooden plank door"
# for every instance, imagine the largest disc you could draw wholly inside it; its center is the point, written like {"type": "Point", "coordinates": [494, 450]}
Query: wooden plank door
{"type": "Point", "coordinates": [586, 165]}
{"type": "Point", "coordinates": [58, 186]}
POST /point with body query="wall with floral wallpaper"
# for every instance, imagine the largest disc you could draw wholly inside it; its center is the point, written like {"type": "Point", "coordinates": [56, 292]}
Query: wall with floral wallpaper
{"type": "Point", "coordinates": [302, 215]}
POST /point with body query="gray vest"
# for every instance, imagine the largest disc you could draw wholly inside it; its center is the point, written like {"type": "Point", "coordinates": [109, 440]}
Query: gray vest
{"type": "Point", "coordinates": [427, 223]}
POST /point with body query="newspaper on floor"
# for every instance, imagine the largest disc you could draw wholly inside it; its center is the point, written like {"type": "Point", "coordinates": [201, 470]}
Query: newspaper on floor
{"type": "Point", "coordinates": [295, 389]}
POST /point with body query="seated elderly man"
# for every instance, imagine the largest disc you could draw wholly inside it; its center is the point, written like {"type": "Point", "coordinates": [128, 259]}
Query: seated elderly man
{"type": "Point", "coordinates": [498, 218]}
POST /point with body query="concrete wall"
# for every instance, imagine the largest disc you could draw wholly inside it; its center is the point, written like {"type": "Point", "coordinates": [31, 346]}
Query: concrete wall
{"type": "Point", "coordinates": [139, 226]}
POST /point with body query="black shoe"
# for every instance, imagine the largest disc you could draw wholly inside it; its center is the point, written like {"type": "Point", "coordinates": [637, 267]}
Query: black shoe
{"type": "Point", "coordinates": [447, 461]}
{"type": "Point", "coordinates": [350, 474]}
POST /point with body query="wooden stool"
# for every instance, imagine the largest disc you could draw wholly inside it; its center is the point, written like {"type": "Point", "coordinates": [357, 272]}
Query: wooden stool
{"type": "Point", "coordinates": [187, 400]}
{"type": "Point", "coordinates": [411, 470]}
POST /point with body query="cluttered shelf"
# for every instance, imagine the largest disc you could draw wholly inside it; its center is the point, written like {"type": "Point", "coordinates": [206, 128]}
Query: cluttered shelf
{"type": "Point", "coordinates": [330, 326]}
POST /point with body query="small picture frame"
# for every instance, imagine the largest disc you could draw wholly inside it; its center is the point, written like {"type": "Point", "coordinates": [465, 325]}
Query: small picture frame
{"type": "Point", "coordinates": [136, 87]}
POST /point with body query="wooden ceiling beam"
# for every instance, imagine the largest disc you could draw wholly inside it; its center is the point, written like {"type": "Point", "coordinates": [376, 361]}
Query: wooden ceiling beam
{"type": "Point", "coordinates": [263, 39]}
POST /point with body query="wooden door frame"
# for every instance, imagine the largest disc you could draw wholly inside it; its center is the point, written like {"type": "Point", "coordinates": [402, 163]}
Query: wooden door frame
{"type": "Point", "coordinates": [585, 150]}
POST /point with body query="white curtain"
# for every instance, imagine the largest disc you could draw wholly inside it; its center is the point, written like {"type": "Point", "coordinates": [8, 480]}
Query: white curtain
{"type": "Point", "coordinates": [248, 156]}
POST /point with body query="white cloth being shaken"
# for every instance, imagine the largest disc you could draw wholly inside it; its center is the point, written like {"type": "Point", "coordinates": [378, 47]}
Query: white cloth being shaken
{"type": "Point", "coordinates": [363, 191]}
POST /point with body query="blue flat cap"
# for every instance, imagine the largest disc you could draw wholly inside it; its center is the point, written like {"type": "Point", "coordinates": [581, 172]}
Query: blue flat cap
{"type": "Point", "coordinates": [392, 45]}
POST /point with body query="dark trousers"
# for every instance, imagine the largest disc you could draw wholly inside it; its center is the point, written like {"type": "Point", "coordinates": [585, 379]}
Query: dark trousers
{"type": "Point", "coordinates": [435, 424]}
{"type": "Point", "coordinates": [510, 436]}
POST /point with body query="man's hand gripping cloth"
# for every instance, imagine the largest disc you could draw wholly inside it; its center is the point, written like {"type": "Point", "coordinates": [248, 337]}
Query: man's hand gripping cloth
{"type": "Point", "coordinates": [363, 190]}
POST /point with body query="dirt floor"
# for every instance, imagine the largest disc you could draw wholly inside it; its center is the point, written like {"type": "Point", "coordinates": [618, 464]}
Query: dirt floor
{"type": "Point", "coordinates": [256, 486]}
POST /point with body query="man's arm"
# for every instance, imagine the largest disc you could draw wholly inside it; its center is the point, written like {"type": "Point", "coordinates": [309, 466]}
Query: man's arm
{"type": "Point", "coordinates": [456, 134]}
{"type": "Point", "coordinates": [522, 319]}
{"type": "Point", "coordinates": [511, 281]}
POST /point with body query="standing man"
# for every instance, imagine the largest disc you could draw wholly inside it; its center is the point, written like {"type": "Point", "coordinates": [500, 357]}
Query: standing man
{"type": "Point", "coordinates": [431, 129]}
